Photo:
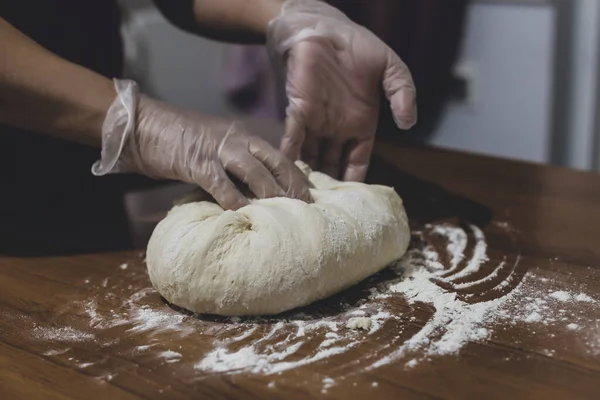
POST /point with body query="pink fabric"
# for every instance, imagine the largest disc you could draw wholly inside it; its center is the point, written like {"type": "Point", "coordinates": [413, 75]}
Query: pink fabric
{"type": "Point", "coordinates": [250, 85]}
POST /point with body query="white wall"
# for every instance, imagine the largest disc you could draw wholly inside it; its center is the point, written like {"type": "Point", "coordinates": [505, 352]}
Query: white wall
{"type": "Point", "coordinates": [509, 51]}
{"type": "Point", "coordinates": [175, 66]}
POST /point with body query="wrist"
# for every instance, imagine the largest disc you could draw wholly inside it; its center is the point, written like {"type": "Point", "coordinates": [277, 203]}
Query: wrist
{"type": "Point", "coordinates": [118, 127]}
{"type": "Point", "coordinates": [264, 12]}
{"type": "Point", "coordinates": [95, 104]}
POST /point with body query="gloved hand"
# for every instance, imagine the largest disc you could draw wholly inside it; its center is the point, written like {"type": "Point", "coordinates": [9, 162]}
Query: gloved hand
{"type": "Point", "coordinates": [146, 136]}
{"type": "Point", "coordinates": [335, 69]}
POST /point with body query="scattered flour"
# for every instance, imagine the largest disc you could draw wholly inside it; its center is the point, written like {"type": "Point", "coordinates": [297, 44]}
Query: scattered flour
{"type": "Point", "coordinates": [533, 317]}
{"type": "Point", "coordinates": [146, 319]}
{"type": "Point", "coordinates": [561, 295]}
{"type": "Point", "coordinates": [549, 352]}
{"type": "Point", "coordinates": [539, 306]}
{"type": "Point", "coordinates": [55, 352]}
{"type": "Point", "coordinates": [584, 298]}
{"type": "Point", "coordinates": [572, 327]}
{"type": "Point", "coordinates": [363, 323]}
{"type": "Point", "coordinates": [170, 356]}
{"type": "Point", "coordinates": [437, 278]}
{"type": "Point", "coordinates": [62, 334]}
{"type": "Point", "coordinates": [327, 383]}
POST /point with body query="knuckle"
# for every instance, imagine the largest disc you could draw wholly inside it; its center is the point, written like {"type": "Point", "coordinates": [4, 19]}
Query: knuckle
{"type": "Point", "coordinates": [281, 160]}
{"type": "Point", "coordinates": [254, 172]}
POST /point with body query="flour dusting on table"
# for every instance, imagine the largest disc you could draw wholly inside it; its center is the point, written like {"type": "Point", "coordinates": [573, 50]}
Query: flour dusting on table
{"type": "Point", "coordinates": [448, 291]}
{"type": "Point", "coordinates": [61, 334]}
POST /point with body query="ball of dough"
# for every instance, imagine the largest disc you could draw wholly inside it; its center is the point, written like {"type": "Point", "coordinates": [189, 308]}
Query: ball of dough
{"type": "Point", "coordinates": [276, 254]}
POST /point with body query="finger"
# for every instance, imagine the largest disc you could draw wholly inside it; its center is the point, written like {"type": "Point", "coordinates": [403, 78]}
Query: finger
{"type": "Point", "coordinates": [289, 177]}
{"type": "Point", "coordinates": [222, 189]}
{"type": "Point", "coordinates": [359, 155]}
{"type": "Point", "coordinates": [293, 138]}
{"type": "Point", "coordinates": [254, 174]}
{"type": "Point", "coordinates": [331, 158]}
{"type": "Point", "coordinates": [400, 91]}
{"type": "Point", "coordinates": [310, 152]}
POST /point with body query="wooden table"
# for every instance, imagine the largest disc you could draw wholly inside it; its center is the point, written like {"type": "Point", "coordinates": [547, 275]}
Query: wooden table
{"type": "Point", "coordinates": [91, 326]}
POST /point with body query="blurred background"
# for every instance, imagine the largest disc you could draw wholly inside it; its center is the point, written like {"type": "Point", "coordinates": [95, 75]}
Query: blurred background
{"type": "Point", "coordinates": [510, 78]}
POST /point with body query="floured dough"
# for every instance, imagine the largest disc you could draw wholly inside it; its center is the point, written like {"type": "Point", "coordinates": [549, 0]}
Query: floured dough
{"type": "Point", "coordinates": [363, 323]}
{"type": "Point", "coordinates": [276, 254]}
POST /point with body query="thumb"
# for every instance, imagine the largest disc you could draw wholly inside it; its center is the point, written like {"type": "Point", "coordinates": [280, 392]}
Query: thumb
{"type": "Point", "coordinates": [400, 91]}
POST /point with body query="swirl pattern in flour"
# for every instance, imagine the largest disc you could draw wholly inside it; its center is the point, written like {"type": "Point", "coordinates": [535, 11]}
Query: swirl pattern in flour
{"type": "Point", "coordinates": [276, 254]}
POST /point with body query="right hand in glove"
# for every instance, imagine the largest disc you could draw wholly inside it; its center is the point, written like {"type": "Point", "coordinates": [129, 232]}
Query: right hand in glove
{"type": "Point", "coordinates": [335, 69]}
{"type": "Point", "coordinates": [146, 136]}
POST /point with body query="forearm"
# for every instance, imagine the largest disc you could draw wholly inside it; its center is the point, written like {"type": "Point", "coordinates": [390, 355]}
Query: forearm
{"type": "Point", "coordinates": [40, 91]}
{"type": "Point", "coordinates": [235, 21]}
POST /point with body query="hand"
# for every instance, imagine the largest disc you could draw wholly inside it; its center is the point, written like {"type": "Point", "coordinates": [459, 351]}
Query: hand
{"type": "Point", "coordinates": [335, 69]}
{"type": "Point", "coordinates": [146, 136]}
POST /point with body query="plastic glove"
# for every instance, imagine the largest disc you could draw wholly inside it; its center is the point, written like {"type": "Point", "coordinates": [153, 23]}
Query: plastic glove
{"type": "Point", "coordinates": [335, 69]}
{"type": "Point", "coordinates": [146, 136]}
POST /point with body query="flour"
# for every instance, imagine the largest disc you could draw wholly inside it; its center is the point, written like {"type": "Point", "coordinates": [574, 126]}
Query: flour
{"type": "Point", "coordinates": [170, 356]}
{"type": "Point", "coordinates": [327, 383]}
{"type": "Point", "coordinates": [533, 317]}
{"type": "Point", "coordinates": [54, 352]}
{"type": "Point", "coordinates": [538, 306]}
{"type": "Point", "coordinates": [454, 322]}
{"type": "Point", "coordinates": [592, 340]}
{"type": "Point", "coordinates": [377, 320]}
{"type": "Point", "coordinates": [146, 319]}
{"type": "Point", "coordinates": [560, 295]}
{"type": "Point", "coordinates": [486, 279]}
{"type": "Point", "coordinates": [584, 298]}
{"type": "Point", "coordinates": [61, 334]}
{"type": "Point", "coordinates": [363, 323]}
{"type": "Point", "coordinates": [248, 359]}
{"type": "Point", "coordinates": [435, 278]}
{"type": "Point", "coordinates": [245, 335]}
{"type": "Point", "coordinates": [457, 243]}
{"type": "Point", "coordinates": [573, 327]}
{"type": "Point", "coordinates": [479, 252]}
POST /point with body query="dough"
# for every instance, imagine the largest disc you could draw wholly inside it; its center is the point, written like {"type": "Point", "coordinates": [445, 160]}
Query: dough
{"type": "Point", "coordinates": [276, 254]}
{"type": "Point", "coordinates": [363, 323]}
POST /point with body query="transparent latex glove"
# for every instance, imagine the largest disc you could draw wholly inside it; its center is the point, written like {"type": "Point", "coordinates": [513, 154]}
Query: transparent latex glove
{"type": "Point", "coordinates": [335, 71]}
{"type": "Point", "coordinates": [149, 137]}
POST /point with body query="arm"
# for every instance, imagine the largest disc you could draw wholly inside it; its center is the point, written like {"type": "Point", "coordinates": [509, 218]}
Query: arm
{"type": "Point", "coordinates": [42, 92]}
{"type": "Point", "coordinates": [237, 21]}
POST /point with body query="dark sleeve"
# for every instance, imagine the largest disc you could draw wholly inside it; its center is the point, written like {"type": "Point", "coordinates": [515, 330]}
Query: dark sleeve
{"type": "Point", "coordinates": [179, 13]}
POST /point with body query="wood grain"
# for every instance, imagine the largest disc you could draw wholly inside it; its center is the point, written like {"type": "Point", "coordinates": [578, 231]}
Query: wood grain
{"type": "Point", "coordinates": [70, 327]}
